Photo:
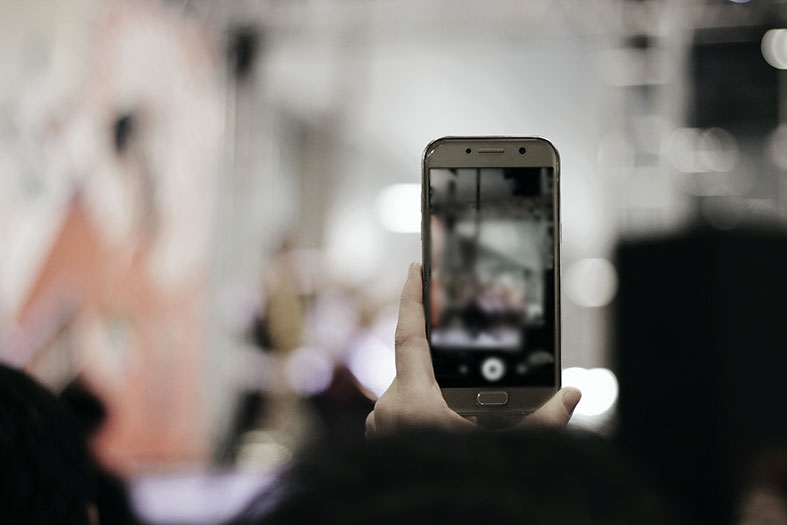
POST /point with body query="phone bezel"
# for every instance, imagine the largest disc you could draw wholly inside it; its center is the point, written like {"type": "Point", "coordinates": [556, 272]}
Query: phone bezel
{"type": "Point", "coordinates": [450, 152]}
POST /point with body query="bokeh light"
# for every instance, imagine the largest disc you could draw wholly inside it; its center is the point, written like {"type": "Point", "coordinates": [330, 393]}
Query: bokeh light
{"type": "Point", "coordinates": [774, 48]}
{"type": "Point", "coordinates": [309, 370]}
{"type": "Point", "coordinates": [591, 283]}
{"type": "Point", "coordinates": [599, 388]}
{"type": "Point", "coordinates": [399, 208]}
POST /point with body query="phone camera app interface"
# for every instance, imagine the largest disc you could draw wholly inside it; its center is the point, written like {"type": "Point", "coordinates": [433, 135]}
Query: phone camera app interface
{"type": "Point", "coordinates": [492, 287]}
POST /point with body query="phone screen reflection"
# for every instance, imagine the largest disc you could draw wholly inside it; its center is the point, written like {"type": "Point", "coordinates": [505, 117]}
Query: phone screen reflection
{"type": "Point", "coordinates": [491, 288]}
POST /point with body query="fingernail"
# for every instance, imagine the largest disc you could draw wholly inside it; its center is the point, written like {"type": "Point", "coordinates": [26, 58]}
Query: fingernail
{"type": "Point", "coordinates": [571, 398]}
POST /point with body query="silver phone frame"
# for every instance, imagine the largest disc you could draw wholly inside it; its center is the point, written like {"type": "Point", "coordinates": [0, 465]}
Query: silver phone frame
{"type": "Point", "coordinates": [540, 152]}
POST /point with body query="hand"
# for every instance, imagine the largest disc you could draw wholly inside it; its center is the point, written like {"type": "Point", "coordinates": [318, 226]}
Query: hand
{"type": "Point", "coordinates": [414, 397]}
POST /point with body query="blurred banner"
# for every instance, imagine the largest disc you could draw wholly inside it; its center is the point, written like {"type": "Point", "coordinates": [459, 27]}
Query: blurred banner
{"type": "Point", "coordinates": [113, 128]}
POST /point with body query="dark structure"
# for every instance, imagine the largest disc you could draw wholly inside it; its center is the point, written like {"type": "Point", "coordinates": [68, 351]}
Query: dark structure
{"type": "Point", "coordinates": [702, 352]}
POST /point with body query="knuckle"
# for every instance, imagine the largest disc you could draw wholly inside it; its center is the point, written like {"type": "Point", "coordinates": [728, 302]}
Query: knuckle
{"type": "Point", "coordinates": [556, 418]}
{"type": "Point", "coordinates": [412, 343]}
{"type": "Point", "coordinates": [391, 413]}
{"type": "Point", "coordinates": [400, 337]}
{"type": "Point", "coordinates": [382, 408]}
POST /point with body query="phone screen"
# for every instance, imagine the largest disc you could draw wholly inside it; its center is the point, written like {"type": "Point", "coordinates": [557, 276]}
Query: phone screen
{"type": "Point", "coordinates": [491, 286]}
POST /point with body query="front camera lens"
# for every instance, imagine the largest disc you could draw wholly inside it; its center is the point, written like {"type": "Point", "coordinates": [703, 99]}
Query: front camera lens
{"type": "Point", "coordinates": [522, 151]}
{"type": "Point", "coordinates": [468, 150]}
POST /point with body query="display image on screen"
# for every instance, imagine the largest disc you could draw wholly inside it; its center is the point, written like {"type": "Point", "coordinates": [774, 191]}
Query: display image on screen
{"type": "Point", "coordinates": [492, 276]}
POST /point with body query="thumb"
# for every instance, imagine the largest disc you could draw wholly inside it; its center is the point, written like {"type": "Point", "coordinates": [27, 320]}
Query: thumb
{"type": "Point", "coordinates": [557, 411]}
{"type": "Point", "coordinates": [411, 349]}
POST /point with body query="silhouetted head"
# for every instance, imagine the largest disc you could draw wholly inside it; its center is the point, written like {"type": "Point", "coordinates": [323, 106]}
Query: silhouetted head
{"type": "Point", "coordinates": [433, 476]}
{"type": "Point", "coordinates": [44, 467]}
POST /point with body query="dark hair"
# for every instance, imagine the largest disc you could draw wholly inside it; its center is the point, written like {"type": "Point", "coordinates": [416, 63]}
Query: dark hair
{"type": "Point", "coordinates": [435, 476]}
{"type": "Point", "coordinates": [44, 468]}
{"type": "Point", "coordinates": [110, 493]}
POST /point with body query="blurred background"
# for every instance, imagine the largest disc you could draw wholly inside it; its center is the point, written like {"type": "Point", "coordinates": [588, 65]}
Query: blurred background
{"type": "Point", "coordinates": [207, 209]}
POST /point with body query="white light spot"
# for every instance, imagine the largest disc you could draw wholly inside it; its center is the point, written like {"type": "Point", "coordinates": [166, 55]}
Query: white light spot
{"type": "Point", "coordinates": [353, 244]}
{"type": "Point", "coordinates": [718, 150]}
{"type": "Point", "coordinates": [261, 451]}
{"type": "Point", "coordinates": [309, 370]}
{"type": "Point", "coordinates": [680, 148]}
{"type": "Point", "coordinates": [777, 146]}
{"type": "Point", "coordinates": [399, 208]}
{"type": "Point", "coordinates": [591, 283]}
{"type": "Point", "coordinates": [774, 48]}
{"type": "Point", "coordinates": [599, 388]}
{"type": "Point", "coordinates": [372, 362]}
{"type": "Point", "coordinates": [693, 150]}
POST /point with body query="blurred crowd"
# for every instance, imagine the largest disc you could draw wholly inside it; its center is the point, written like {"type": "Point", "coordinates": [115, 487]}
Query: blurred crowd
{"type": "Point", "coordinates": [206, 209]}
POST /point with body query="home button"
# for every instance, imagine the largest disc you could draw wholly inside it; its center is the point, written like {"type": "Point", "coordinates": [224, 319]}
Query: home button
{"type": "Point", "coordinates": [492, 398]}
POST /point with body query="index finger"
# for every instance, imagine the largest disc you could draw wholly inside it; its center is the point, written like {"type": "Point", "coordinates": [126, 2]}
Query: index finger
{"type": "Point", "coordinates": [413, 362]}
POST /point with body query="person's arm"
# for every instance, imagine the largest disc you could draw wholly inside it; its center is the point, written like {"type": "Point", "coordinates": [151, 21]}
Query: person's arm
{"type": "Point", "coordinates": [414, 397]}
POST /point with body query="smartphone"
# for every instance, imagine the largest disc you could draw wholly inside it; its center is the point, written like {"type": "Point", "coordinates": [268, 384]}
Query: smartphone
{"type": "Point", "coordinates": [491, 269]}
